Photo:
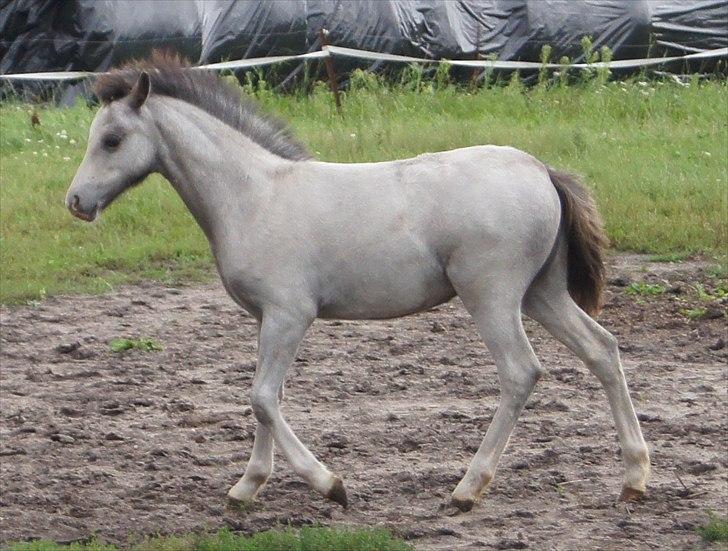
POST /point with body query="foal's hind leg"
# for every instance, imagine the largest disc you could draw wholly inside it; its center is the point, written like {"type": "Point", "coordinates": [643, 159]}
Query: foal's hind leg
{"type": "Point", "coordinates": [549, 303]}
{"type": "Point", "coordinates": [498, 318]}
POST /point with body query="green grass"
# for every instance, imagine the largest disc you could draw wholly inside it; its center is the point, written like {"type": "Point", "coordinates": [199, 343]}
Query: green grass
{"type": "Point", "coordinates": [694, 313]}
{"type": "Point", "coordinates": [654, 153]}
{"type": "Point", "coordinates": [144, 344]}
{"type": "Point", "coordinates": [305, 539]}
{"type": "Point", "coordinates": [643, 289]}
{"type": "Point", "coordinates": [715, 530]}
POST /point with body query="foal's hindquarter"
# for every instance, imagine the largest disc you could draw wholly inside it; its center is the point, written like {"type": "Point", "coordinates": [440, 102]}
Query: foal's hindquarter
{"type": "Point", "coordinates": [298, 240]}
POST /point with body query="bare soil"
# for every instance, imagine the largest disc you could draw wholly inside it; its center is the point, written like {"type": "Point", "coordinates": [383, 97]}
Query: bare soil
{"type": "Point", "coordinates": [126, 444]}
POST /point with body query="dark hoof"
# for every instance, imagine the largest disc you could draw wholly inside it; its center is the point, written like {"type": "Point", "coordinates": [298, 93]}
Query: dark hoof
{"type": "Point", "coordinates": [337, 493]}
{"type": "Point", "coordinates": [463, 505]}
{"type": "Point", "coordinates": [631, 494]}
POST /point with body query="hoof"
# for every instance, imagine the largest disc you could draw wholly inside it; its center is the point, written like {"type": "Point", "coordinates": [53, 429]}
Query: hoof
{"type": "Point", "coordinates": [631, 494]}
{"type": "Point", "coordinates": [463, 505]}
{"type": "Point", "coordinates": [337, 493]}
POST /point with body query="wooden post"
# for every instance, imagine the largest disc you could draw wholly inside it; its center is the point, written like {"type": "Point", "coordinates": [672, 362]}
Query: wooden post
{"type": "Point", "coordinates": [330, 73]}
{"type": "Point", "coordinates": [476, 70]}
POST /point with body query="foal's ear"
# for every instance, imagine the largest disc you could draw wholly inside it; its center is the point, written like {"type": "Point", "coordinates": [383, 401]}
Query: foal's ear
{"type": "Point", "coordinates": [140, 92]}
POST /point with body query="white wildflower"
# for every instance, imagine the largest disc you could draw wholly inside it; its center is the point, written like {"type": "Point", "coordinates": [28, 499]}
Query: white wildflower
{"type": "Point", "coordinates": [352, 135]}
{"type": "Point", "coordinates": [66, 158]}
{"type": "Point", "coordinates": [72, 141]}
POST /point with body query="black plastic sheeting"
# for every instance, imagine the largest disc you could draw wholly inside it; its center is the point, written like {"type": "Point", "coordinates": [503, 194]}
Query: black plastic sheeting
{"type": "Point", "coordinates": [94, 35]}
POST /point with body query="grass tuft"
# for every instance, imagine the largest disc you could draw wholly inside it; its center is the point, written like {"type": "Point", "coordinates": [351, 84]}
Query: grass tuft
{"type": "Point", "coordinates": [715, 530]}
{"type": "Point", "coordinates": [145, 344]}
{"type": "Point", "coordinates": [640, 288]}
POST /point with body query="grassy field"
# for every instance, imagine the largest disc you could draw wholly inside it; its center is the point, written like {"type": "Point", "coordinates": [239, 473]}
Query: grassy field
{"type": "Point", "coordinates": [654, 152]}
{"type": "Point", "coordinates": [306, 539]}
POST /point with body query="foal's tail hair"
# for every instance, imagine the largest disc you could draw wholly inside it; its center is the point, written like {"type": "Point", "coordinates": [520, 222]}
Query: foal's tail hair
{"type": "Point", "coordinates": [586, 241]}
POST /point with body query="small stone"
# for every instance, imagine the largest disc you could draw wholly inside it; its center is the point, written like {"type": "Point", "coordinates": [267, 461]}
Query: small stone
{"type": "Point", "coordinates": [437, 327]}
{"type": "Point", "coordinates": [407, 445]}
{"type": "Point", "coordinates": [6, 452]}
{"type": "Point", "coordinates": [114, 436]}
{"type": "Point", "coordinates": [717, 345]}
{"type": "Point", "coordinates": [63, 438]}
{"type": "Point", "coordinates": [620, 281]}
{"type": "Point", "coordinates": [70, 412]}
{"type": "Point", "coordinates": [67, 348]}
{"type": "Point", "coordinates": [335, 441]}
{"type": "Point", "coordinates": [713, 312]}
{"type": "Point", "coordinates": [511, 544]}
{"type": "Point", "coordinates": [648, 417]}
{"type": "Point", "coordinates": [699, 467]}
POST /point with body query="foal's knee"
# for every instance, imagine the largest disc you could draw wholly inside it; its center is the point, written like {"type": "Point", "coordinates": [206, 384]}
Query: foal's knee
{"type": "Point", "coordinates": [264, 404]}
{"type": "Point", "coordinates": [519, 381]}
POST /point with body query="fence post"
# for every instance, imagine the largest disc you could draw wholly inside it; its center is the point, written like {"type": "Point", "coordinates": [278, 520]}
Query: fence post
{"type": "Point", "coordinates": [476, 70]}
{"type": "Point", "coordinates": [330, 73]}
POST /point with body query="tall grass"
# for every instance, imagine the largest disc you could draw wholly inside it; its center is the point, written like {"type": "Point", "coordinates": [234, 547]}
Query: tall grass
{"type": "Point", "coordinates": [654, 152]}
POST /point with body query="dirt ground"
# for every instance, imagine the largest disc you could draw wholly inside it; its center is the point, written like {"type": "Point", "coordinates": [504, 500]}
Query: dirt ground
{"type": "Point", "coordinates": [132, 443]}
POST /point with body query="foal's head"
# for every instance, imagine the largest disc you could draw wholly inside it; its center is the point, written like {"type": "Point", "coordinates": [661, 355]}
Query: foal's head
{"type": "Point", "coordinates": [121, 152]}
{"type": "Point", "coordinates": [124, 142]}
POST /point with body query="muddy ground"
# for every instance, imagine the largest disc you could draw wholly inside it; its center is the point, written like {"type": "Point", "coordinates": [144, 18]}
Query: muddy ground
{"type": "Point", "coordinates": [131, 443]}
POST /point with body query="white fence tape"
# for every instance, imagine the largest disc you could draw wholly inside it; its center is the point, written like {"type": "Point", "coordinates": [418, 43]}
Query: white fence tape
{"type": "Point", "coordinates": [331, 51]}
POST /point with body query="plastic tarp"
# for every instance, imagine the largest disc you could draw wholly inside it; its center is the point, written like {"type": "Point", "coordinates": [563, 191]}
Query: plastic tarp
{"type": "Point", "coordinates": [93, 35]}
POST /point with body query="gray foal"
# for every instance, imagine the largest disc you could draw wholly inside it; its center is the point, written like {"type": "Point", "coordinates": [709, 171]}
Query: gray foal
{"type": "Point", "coordinates": [295, 239]}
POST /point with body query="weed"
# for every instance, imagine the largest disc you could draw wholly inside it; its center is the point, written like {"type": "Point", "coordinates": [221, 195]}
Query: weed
{"type": "Point", "coordinates": [716, 529]}
{"type": "Point", "coordinates": [670, 257]}
{"type": "Point", "coordinates": [145, 344]}
{"type": "Point", "coordinates": [641, 288]}
{"type": "Point", "coordinates": [720, 292]}
{"type": "Point", "coordinates": [694, 313]}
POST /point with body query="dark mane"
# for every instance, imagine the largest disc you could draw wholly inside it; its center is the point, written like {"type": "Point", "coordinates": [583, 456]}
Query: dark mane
{"type": "Point", "coordinates": [171, 76]}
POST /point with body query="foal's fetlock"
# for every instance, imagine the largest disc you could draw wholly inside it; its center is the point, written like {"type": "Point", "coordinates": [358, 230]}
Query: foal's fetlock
{"type": "Point", "coordinates": [467, 493]}
{"type": "Point", "coordinates": [636, 475]}
{"type": "Point", "coordinates": [247, 488]}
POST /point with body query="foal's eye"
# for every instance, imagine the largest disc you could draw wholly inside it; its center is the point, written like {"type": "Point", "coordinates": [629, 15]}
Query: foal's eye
{"type": "Point", "coordinates": [112, 141]}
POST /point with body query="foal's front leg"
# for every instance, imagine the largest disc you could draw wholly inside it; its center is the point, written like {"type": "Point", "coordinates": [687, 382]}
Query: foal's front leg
{"type": "Point", "coordinates": [260, 464]}
{"type": "Point", "coordinates": [280, 334]}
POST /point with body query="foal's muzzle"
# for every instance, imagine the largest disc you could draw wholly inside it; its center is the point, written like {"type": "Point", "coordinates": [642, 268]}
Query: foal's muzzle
{"type": "Point", "coordinates": [84, 212]}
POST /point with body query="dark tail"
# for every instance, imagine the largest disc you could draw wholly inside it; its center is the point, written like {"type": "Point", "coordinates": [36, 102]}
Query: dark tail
{"type": "Point", "coordinates": [586, 241]}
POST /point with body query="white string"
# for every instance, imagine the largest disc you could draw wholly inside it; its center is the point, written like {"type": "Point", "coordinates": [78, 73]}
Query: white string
{"type": "Point", "coordinates": [331, 51]}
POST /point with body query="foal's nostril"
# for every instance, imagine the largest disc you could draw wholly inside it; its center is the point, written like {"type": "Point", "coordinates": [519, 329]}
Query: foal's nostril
{"type": "Point", "coordinates": [74, 202]}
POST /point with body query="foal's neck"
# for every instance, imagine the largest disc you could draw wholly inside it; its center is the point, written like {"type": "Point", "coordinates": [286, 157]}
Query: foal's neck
{"type": "Point", "coordinates": [220, 174]}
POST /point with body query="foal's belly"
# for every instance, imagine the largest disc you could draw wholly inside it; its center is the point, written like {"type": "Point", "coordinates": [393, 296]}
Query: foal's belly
{"type": "Point", "coordinates": [383, 291]}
